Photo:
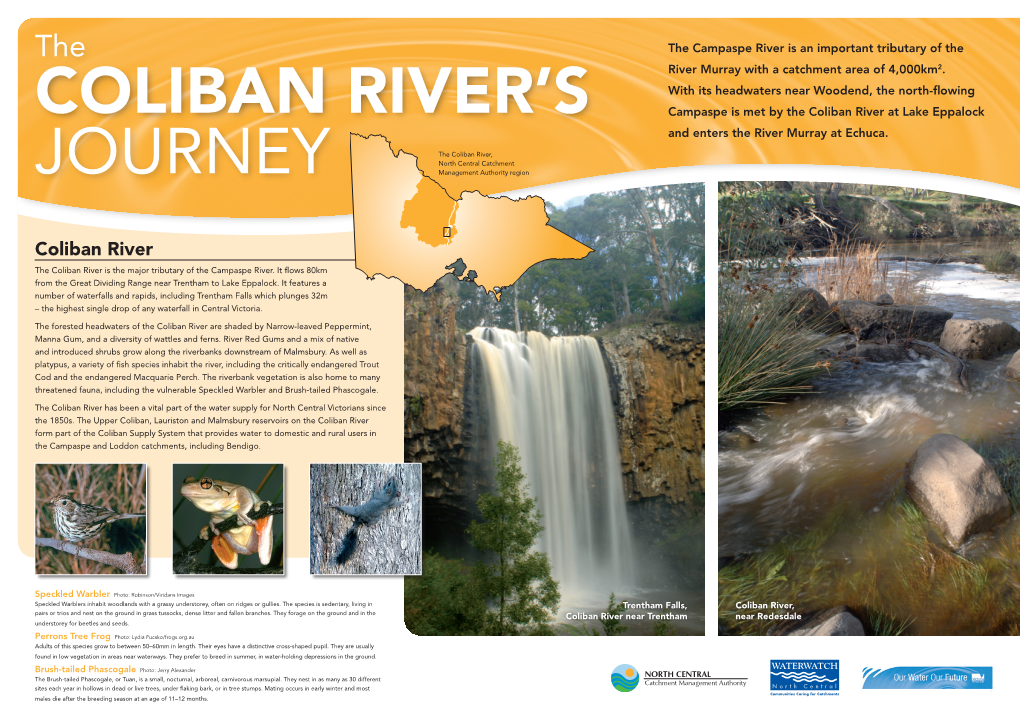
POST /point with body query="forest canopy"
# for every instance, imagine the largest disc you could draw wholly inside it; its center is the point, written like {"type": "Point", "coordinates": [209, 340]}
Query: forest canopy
{"type": "Point", "coordinates": [649, 254]}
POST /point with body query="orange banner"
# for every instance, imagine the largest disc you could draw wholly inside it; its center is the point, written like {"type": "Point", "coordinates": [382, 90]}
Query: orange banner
{"type": "Point", "coordinates": [252, 118]}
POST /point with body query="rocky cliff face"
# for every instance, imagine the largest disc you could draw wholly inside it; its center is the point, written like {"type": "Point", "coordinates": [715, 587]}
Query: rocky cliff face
{"type": "Point", "coordinates": [657, 377]}
{"type": "Point", "coordinates": [435, 360]}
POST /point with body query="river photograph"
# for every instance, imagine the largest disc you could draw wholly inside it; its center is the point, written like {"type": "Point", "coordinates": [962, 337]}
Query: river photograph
{"type": "Point", "coordinates": [561, 432]}
{"type": "Point", "coordinates": [869, 428]}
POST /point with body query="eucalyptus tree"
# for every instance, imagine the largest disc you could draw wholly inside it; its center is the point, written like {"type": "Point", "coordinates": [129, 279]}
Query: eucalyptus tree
{"type": "Point", "coordinates": [647, 248]}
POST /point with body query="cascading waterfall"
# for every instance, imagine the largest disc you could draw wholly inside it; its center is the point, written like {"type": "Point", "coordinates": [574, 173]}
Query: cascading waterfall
{"type": "Point", "coordinates": [550, 398]}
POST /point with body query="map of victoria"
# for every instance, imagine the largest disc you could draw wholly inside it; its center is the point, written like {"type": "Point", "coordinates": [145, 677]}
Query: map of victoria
{"type": "Point", "coordinates": [407, 226]}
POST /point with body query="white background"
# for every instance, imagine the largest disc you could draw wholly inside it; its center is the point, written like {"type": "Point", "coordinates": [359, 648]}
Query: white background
{"type": "Point", "coordinates": [433, 677]}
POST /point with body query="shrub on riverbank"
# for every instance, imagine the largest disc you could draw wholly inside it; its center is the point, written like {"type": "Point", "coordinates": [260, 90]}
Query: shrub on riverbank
{"type": "Point", "coordinates": [750, 223]}
{"type": "Point", "coordinates": [1006, 462]}
{"type": "Point", "coordinates": [690, 306]}
{"type": "Point", "coordinates": [763, 354]}
{"type": "Point", "coordinates": [1000, 261]}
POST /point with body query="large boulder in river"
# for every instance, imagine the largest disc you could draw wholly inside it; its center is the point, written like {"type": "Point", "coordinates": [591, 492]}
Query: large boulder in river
{"type": "Point", "coordinates": [833, 622]}
{"type": "Point", "coordinates": [956, 488]}
{"type": "Point", "coordinates": [1013, 367]}
{"type": "Point", "coordinates": [808, 305]}
{"type": "Point", "coordinates": [979, 338]}
{"type": "Point", "coordinates": [922, 322]}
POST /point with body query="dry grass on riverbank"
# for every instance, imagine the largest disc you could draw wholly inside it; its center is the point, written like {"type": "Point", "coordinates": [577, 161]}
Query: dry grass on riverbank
{"type": "Point", "coordinates": [855, 271]}
{"type": "Point", "coordinates": [888, 569]}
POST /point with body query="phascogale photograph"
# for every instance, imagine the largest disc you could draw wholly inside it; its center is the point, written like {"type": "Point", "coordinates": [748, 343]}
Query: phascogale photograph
{"type": "Point", "coordinates": [365, 518]}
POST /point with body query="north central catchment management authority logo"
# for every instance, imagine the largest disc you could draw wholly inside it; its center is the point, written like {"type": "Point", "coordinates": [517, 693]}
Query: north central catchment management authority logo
{"type": "Point", "coordinates": [625, 677]}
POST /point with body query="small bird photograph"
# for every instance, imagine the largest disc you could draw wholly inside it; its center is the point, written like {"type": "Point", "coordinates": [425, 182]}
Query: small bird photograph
{"type": "Point", "coordinates": [90, 518]}
{"type": "Point", "coordinates": [228, 518]}
{"type": "Point", "coordinates": [365, 518]}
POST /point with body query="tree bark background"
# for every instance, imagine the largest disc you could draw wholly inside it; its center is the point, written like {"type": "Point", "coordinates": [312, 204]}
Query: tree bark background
{"type": "Point", "coordinates": [391, 546]}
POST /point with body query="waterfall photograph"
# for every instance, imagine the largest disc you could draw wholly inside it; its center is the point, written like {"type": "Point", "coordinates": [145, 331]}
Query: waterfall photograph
{"type": "Point", "coordinates": [561, 432]}
{"type": "Point", "coordinates": [869, 411]}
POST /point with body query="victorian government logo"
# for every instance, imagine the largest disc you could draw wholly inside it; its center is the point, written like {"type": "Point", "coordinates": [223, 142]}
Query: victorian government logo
{"type": "Point", "coordinates": [805, 676]}
{"type": "Point", "coordinates": [625, 677]}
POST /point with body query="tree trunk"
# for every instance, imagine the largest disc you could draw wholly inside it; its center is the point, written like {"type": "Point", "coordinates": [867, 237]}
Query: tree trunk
{"type": "Point", "coordinates": [955, 206]}
{"type": "Point", "coordinates": [487, 310]}
{"type": "Point", "coordinates": [517, 315]}
{"type": "Point", "coordinates": [392, 545]}
{"type": "Point", "coordinates": [671, 279]}
{"type": "Point", "coordinates": [638, 197]}
{"type": "Point", "coordinates": [817, 190]}
{"type": "Point", "coordinates": [833, 199]}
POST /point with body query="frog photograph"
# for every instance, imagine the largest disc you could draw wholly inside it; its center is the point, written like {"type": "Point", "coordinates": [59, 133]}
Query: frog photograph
{"type": "Point", "coordinates": [228, 518]}
{"type": "Point", "coordinates": [90, 518]}
{"type": "Point", "coordinates": [366, 518]}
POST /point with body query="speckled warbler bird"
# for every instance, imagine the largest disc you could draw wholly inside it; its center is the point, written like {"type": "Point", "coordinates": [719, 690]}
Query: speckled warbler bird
{"type": "Point", "coordinates": [80, 522]}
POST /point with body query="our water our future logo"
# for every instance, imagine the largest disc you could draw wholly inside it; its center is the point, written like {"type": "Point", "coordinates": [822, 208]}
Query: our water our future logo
{"type": "Point", "coordinates": [625, 677]}
{"type": "Point", "coordinates": [929, 677]}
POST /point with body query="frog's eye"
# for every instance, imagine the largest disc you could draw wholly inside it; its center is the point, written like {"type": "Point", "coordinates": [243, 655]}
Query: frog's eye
{"type": "Point", "coordinates": [207, 483]}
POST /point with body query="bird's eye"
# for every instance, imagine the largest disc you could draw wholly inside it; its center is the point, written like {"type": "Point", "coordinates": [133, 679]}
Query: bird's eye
{"type": "Point", "coordinates": [63, 503]}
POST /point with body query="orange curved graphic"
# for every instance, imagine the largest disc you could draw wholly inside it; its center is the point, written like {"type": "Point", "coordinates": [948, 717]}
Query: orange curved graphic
{"type": "Point", "coordinates": [865, 93]}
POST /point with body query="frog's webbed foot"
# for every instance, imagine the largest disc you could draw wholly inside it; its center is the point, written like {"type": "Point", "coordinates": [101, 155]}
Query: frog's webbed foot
{"type": "Point", "coordinates": [264, 529]}
{"type": "Point", "coordinates": [205, 532]}
{"type": "Point", "coordinates": [226, 550]}
{"type": "Point", "coordinates": [228, 544]}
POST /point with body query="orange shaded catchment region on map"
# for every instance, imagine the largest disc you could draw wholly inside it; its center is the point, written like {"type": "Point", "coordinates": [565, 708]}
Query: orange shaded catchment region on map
{"type": "Point", "coordinates": [407, 226]}
{"type": "Point", "coordinates": [432, 213]}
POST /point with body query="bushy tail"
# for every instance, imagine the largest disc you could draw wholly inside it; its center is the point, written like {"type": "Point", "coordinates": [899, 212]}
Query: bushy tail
{"type": "Point", "coordinates": [349, 543]}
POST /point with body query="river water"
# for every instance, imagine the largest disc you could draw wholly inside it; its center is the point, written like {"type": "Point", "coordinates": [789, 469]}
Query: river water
{"type": "Point", "coordinates": [846, 446]}
{"type": "Point", "coordinates": [818, 482]}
